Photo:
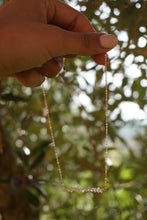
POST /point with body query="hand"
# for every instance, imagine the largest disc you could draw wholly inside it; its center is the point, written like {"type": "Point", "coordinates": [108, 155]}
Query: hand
{"type": "Point", "coordinates": [37, 34]}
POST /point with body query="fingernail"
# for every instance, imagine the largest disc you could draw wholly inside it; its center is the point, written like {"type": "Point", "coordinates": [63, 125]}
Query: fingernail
{"type": "Point", "coordinates": [108, 41]}
{"type": "Point", "coordinates": [59, 59]}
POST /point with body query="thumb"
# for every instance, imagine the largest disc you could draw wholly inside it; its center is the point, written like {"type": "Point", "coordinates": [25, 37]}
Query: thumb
{"type": "Point", "coordinates": [89, 44]}
{"type": "Point", "coordinates": [61, 42]}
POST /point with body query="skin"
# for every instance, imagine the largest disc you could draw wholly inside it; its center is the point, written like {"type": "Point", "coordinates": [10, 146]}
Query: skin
{"type": "Point", "coordinates": [37, 34]}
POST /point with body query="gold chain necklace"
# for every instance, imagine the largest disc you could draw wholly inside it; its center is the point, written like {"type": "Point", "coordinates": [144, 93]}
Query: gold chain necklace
{"type": "Point", "coordinates": [80, 189]}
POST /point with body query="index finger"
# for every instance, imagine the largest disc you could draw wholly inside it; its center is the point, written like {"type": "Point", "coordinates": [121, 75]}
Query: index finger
{"type": "Point", "coordinates": [67, 17]}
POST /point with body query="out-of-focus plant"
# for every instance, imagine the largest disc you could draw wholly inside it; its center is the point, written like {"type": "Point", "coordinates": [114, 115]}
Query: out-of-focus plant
{"type": "Point", "coordinates": [76, 101]}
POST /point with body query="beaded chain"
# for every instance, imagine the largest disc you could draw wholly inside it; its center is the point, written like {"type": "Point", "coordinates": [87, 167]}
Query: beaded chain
{"type": "Point", "coordinates": [80, 189]}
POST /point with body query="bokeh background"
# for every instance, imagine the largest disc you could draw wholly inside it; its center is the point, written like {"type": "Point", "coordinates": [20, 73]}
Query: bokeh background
{"type": "Point", "coordinates": [29, 180]}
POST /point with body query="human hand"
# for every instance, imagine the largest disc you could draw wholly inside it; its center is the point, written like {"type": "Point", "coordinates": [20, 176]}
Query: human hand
{"type": "Point", "coordinates": [37, 34]}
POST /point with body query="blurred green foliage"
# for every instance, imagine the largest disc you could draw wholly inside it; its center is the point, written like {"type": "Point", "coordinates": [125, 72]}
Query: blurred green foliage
{"type": "Point", "coordinates": [79, 127]}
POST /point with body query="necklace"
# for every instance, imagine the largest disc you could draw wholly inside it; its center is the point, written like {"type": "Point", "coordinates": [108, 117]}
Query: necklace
{"type": "Point", "coordinates": [80, 189]}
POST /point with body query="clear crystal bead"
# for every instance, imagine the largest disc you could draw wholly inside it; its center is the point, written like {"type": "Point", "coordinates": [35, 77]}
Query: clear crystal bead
{"type": "Point", "coordinates": [84, 189]}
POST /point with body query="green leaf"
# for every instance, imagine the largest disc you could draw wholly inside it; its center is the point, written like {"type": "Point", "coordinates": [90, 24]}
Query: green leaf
{"type": "Point", "coordinates": [126, 173]}
{"type": "Point", "coordinates": [125, 81]}
{"type": "Point", "coordinates": [38, 160]}
{"type": "Point", "coordinates": [42, 147]}
{"type": "Point", "coordinates": [11, 97]}
{"type": "Point", "coordinates": [32, 198]}
{"type": "Point", "coordinates": [40, 191]}
{"type": "Point", "coordinates": [39, 153]}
